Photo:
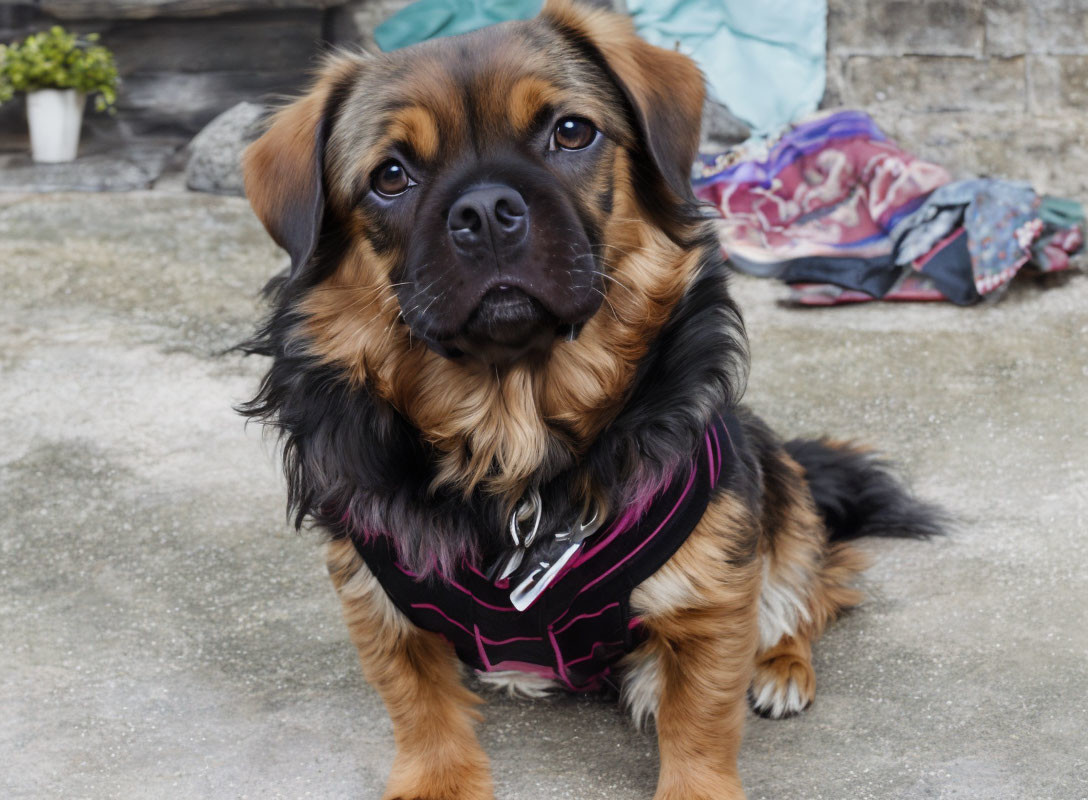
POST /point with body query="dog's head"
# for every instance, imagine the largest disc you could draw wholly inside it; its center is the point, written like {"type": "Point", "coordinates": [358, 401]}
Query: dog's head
{"type": "Point", "coordinates": [488, 231]}
{"type": "Point", "coordinates": [480, 173]}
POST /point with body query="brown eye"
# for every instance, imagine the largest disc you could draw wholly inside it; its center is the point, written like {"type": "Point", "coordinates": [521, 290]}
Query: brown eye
{"type": "Point", "coordinates": [390, 179]}
{"type": "Point", "coordinates": [572, 133]}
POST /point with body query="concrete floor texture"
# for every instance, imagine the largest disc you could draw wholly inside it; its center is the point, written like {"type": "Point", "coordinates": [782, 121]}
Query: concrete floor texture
{"type": "Point", "coordinates": [163, 634]}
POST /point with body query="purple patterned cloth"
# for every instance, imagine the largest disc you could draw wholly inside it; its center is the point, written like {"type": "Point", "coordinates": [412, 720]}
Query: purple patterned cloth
{"type": "Point", "coordinates": [841, 214]}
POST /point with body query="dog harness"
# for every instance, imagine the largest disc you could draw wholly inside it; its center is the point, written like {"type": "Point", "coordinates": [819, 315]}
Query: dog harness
{"type": "Point", "coordinates": [580, 624]}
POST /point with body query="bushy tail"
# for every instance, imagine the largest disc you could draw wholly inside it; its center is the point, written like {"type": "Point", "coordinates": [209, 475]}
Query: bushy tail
{"type": "Point", "coordinates": [859, 495]}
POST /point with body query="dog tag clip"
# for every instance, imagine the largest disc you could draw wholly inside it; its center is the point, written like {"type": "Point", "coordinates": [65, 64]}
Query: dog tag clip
{"type": "Point", "coordinates": [526, 592]}
{"type": "Point", "coordinates": [522, 535]}
{"type": "Point", "coordinates": [531, 588]}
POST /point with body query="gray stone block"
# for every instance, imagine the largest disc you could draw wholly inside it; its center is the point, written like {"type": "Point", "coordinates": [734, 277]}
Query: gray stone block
{"type": "Point", "coordinates": [1074, 85]}
{"type": "Point", "coordinates": [898, 27]}
{"type": "Point", "coordinates": [215, 154]}
{"type": "Point", "coordinates": [1059, 82]}
{"type": "Point", "coordinates": [1006, 27]}
{"type": "Point", "coordinates": [149, 9]}
{"type": "Point", "coordinates": [927, 83]}
{"type": "Point", "coordinates": [181, 104]}
{"type": "Point", "coordinates": [1050, 152]}
{"type": "Point", "coordinates": [136, 167]}
{"type": "Point", "coordinates": [1058, 27]}
{"type": "Point", "coordinates": [238, 42]}
{"type": "Point", "coordinates": [835, 90]}
{"type": "Point", "coordinates": [1044, 84]}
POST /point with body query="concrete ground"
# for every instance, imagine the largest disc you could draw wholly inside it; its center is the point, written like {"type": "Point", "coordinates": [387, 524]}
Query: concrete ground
{"type": "Point", "coordinates": [164, 635]}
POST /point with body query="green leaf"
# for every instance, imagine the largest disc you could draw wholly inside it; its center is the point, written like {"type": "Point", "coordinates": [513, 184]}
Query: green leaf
{"type": "Point", "coordinates": [57, 59]}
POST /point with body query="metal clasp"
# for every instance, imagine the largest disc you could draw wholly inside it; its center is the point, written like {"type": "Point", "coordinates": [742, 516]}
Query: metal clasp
{"type": "Point", "coordinates": [522, 533]}
{"type": "Point", "coordinates": [529, 508]}
{"type": "Point", "coordinates": [588, 523]}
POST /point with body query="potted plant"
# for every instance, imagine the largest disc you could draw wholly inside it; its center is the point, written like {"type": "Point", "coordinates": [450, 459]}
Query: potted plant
{"type": "Point", "coordinates": [57, 70]}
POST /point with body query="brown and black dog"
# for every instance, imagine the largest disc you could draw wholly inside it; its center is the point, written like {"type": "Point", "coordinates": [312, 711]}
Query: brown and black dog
{"type": "Point", "coordinates": [502, 288]}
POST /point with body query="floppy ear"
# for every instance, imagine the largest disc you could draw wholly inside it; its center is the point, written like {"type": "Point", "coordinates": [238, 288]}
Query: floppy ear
{"type": "Point", "coordinates": [284, 169]}
{"type": "Point", "coordinates": [665, 88]}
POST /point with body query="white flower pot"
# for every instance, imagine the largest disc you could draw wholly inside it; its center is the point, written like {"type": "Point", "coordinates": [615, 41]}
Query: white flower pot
{"type": "Point", "coordinates": [55, 116]}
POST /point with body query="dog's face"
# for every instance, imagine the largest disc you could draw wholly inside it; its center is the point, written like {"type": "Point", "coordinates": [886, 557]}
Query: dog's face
{"type": "Point", "coordinates": [482, 173]}
{"type": "Point", "coordinates": [486, 199]}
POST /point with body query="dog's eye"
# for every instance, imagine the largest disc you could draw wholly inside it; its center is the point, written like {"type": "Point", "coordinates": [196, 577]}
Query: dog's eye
{"type": "Point", "coordinates": [573, 133]}
{"type": "Point", "coordinates": [390, 179]}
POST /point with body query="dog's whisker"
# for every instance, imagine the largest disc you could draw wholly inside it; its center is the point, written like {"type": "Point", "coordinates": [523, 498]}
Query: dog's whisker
{"type": "Point", "coordinates": [609, 302]}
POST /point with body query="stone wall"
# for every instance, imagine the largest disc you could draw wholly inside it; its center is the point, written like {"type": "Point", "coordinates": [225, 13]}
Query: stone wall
{"type": "Point", "coordinates": [990, 87]}
{"type": "Point", "coordinates": [983, 86]}
{"type": "Point", "coordinates": [181, 61]}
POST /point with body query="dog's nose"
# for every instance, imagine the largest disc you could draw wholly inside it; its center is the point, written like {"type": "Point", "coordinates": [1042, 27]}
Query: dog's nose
{"type": "Point", "coordinates": [495, 214]}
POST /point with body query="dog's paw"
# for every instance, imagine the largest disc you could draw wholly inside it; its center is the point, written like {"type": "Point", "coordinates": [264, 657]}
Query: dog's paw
{"type": "Point", "coordinates": [468, 779]}
{"type": "Point", "coordinates": [440, 794]}
{"type": "Point", "coordinates": [477, 791]}
{"type": "Point", "coordinates": [783, 686]}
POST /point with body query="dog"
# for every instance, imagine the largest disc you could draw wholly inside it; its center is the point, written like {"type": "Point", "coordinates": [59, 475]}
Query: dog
{"type": "Point", "coordinates": [506, 370]}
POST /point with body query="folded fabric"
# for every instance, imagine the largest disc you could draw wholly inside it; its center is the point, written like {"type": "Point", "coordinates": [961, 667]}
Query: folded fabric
{"type": "Point", "coordinates": [765, 61]}
{"type": "Point", "coordinates": [833, 203]}
{"type": "Point", "coordinates": [428, 19]}
{"type": "Point", "coordinates": [833, 187]}
{"type": "Point", "coordinates": [911, 287]}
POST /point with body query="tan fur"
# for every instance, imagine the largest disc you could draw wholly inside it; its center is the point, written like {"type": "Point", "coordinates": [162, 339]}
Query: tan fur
{"type": "Point", "coordinates": [701, 619]}
{"type": "Point", "coordinates": [418, 678]}
{"type": "Point", "coordinates": [657, 79]}
{"type": "Point", "coordinates": [800, 571]}
{"type": "Point", "coordinates": [279, 167]}
{"type": "Point", "coordinates": [654, 76]}
{"type": "Point", "coordinates": [494, 427]}
{"type": "Point", "coordinates": [704, 650]}
{"type": "Point", "coordinates": [527, 97]}
{"type": "Point", "coordinates": [784, 681]}
{"type": "Point", "coordinates": [417, 125]}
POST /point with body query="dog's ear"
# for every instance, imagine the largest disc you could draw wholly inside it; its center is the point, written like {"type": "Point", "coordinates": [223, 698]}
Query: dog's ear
{"type": "Point", "coordinates": [284, 169]}
{"type": "Point", "coordinates": [665, 88]}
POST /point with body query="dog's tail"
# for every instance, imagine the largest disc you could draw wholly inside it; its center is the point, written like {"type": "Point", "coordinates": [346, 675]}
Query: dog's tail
{"type": "Point", "coordinates": [858, 494]}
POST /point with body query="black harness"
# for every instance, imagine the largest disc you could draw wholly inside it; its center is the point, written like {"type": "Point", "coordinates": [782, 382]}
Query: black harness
{"type": "Point", "coordinates": [580, 624]}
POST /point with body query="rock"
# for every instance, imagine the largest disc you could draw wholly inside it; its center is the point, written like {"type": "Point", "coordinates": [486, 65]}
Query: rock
{"type": "Point", "coordinates": [354, 22]}
{"type": "Point", "coordinates": [923, 84]}
{"type": "Point", "coordinates": [721, 130]}
{"type": "Point", "coordinates": [148, 9]}
{"type": "Point", "coordinates": [134, 167]}
{"type": "Point", "coordinates": [215, 160]}
{"type": "Point", "coordinates": [920, 27]}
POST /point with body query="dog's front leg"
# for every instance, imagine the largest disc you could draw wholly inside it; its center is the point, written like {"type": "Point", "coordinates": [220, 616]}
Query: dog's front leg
{"type": "Point", "coordinates": [695, 667]}
{"type": "Point", "coordinates": [418, 678]}
{"type": "Point", "coordinates": [700, 716]}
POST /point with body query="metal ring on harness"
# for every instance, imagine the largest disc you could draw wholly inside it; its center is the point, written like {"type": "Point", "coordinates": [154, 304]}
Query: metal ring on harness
{"type": "Point", "coordinates": [530, 506]}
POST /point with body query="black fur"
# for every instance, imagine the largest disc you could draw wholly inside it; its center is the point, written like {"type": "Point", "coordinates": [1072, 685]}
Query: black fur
{"type": "Point", "coordinates": [858, 495]}
{"type": "Point", "coordinates": [355, 466]}
{"type": "Point", "coordinates": [695, 368]}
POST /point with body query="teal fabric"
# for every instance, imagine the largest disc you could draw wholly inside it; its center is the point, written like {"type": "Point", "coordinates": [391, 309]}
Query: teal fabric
{"type": "Point", "coordinates": [764, 59]}
{"type": "Point", "coordinates": [429, 19]}
{"type": "Point", "coordinates": [1061, 212]}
